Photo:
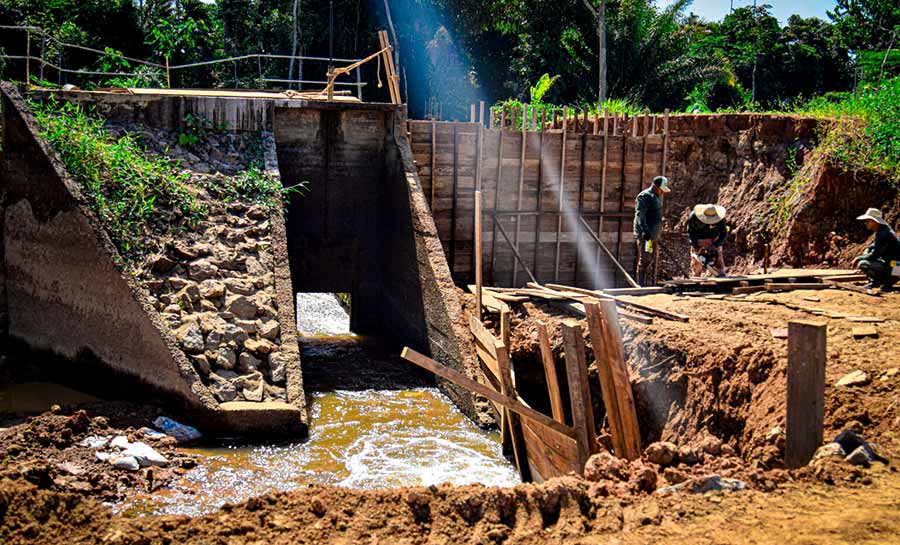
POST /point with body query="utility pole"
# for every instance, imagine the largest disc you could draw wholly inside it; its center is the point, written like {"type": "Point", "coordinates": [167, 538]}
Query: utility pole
{"type": "Point", "coordinates": [330, 35]}
{"type": "Point", "coordinates": [600, 15]}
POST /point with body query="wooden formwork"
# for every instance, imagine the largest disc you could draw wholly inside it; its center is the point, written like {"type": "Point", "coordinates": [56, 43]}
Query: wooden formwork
{"type": "Point", "coordinates": [598, 164]}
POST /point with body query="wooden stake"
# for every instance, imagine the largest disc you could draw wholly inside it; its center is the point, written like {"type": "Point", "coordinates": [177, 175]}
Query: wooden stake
{"type": "Point", "coordinates": [613, 352]}
{"type": "Point", "coordinates": [168, 75]}
{"type": "Point", "coordinates": [478, 279]}
{"type": "Point", "coordinates": [471, 113]}
{"type": "Point", "coordinates": [665, 141]}
{"type": "Point", "coordinates": [602, 209]}
{"type": "Point", "coordinates": [579, 391]}
{"type": "Point", "coordinates": [556, 405]}
{"type": "Point", "coordinates": [497, 199]}
{"type": "Point", "coordinates": [561, 195]}
{"type": "Point", "coordinates": [463, 381]}
{"type": "Point", "coordinates": [622, 186]}
{"type": "Point", "coordinates": [453, 202]}
{"type": "Point", "coordinates": [433, 160]}
{"type": "Point", "coordinates": [516, 233]}
{"type": "Point", "coordinates": [540, 194]}
{"type": "Point", "coordinates": [605, 373]}
{"type": "Point", "coordinates": [805, 391]}
{"type": "Point", "coordinates": [505, 327]}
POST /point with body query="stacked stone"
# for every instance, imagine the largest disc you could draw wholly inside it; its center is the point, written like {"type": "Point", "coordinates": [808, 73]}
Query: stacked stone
{"type": "Point", "coordinates": [214, 284]}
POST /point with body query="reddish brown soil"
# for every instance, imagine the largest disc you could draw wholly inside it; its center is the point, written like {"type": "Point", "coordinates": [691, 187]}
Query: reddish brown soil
{"type": "Point", "coordinates": [44, 451]}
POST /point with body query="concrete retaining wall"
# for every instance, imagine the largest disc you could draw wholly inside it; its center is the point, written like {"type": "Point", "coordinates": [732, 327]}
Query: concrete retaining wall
{"type": "Point", "coordinates": [65, 292]}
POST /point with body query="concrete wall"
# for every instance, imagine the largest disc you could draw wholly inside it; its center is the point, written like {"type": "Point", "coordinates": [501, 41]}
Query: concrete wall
{"type": "Point", "coordinates": [64, 292]}
{"type": "Point", "coordinates": [364, 227]}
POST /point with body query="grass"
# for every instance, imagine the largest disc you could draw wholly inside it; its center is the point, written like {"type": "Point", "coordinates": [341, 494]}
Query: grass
{"type": "Point", "coordinates": [863, 128]}
{"type": "Point", "coordinates": [128, 188]}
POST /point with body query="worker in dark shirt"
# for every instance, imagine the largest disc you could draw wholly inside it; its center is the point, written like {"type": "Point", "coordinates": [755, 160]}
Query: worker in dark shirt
{"type": "Point", "coordinates": [707, 231]}
{"type": "Point", "coordinates": [648, 211]}
{"type": "Point", "coordinates": [881, 261]}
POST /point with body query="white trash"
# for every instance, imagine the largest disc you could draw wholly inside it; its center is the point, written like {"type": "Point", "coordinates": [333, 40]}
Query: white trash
{"type": "Point", "coordinates": [93, 441]}
{"type": "Point", "coordinates": [119, 441]}
{"type": "Point", "coordinates": [145, 455]}
{"type": "Point", "coordinates": [179, 431]}
{"type": "Point", "coordinates": [125, 462]}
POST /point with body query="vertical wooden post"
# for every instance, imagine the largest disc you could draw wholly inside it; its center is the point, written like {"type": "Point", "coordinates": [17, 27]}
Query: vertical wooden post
{"type": "Point", "coordinates": [491, 121]}
{"type": "Point", "coordinates": [503, 118]}
{"type": "Point", "coordinates": [622, 187]}
{"type": "Point", "coordinates": [479, 144]}
{"type": "Point", "coordinates": [533, 118]}
{"type": "Point", "coordinates": [508, 389]}
{"type": "Point", "coordinates": [805, 390]}
{"type": "Point", "coordinates": [561, 194]}
{"type": "Point", "coordinates": [453, 204]}
{"type": "Point", "coordinates": [556, 405]}
{"type": "Point", "coordinates": [497, 199]}
{"type": "Point", "coordinates": [504, 327]}
{"type": "Point", "coordinates": [433, 161]}
{"type": "Point", "coordinates": [579, 391]}
{"type": "Point", "coordinates": [168, 75]}
{"type": "Point", "coordinates": [471, 113]}
{"type": "Point", "coordinates": [478, 277]}
{"type": "Point", "coordinates": [597, 121]}
{"type": "Point", "coordinates": [540, 195]}
{"type": "Point", "coordinates": [634, 126]}
{"type": "Point", "coordinates": [481, 113]}
{"type": "Point", "coordinates": [602, 194]}
{"type": "Point", "coordinates": [580, 201]}
{"type": "Point", "coordinates": [665, 141]}
{"type": "Point", "coordinates": [515, 265]}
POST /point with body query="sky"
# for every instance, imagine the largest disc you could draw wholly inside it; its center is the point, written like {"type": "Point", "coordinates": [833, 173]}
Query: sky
{"type": "Point", "coordinates": [714, 10]}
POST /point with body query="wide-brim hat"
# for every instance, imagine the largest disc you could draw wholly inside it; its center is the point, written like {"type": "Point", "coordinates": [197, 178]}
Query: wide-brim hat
{"type": "Point", "coordinates": [709, 213]}
{"type": "Point", "coordinates": [873, 214]}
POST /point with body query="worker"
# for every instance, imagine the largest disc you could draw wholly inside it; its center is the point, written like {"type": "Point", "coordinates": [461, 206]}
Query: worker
{"type": "Point", "coordinates": [647, 225]}
{"type": "Point", "coordinates": [881, 261]}
{"type": "Point", "coordinates": [648, 212]}
{"type": "Point", "coordinates": [707, 231]}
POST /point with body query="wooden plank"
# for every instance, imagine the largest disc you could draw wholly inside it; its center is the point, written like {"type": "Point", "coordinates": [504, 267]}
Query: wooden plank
{"type": "Point", "coordinates": [747, 289]}
{"type": "Point", "coordinates": [864, 331]}
{"type": "Point", "coordinates": [653, 311]}
{"type": "Point", "coordinates": [488, 301]}
{"type": "Point", "coordinates": [781, 286]}
{"type": "Point", "coordinates": [579, 391]}
{"type": "Point", "coordinates": [602, 209]}
{"type": "Point", "coordinates": [433, 155]}
{"type": "Point", "coordinates": [852, 287]}
{"type": "Point", "coordinates": [483, 336]}
{"type": "Point", "coordinates": [607, 383]}
{"type": "Point", "coordinates": [479, 284]}
{"type": "Point", "coordinates": [497, 198]}
{"type": "Point", "coordinates": [613, 352]}
{"type": "Point", "coordinates": [540, 195]}
{"type": "Point", "coordinates": [561, 195]}
{"type": "Point", "coordinates": [556, 405]}
{"type": "Point", "coordinates": [505, 297]}
{"type": "Point", "coordinates": [650, 290]}
{"type": "Point", "coordinates": [609, 254]}
{"type": "Point", "coordinates": [454, 203]}
{"type": "Point", "coordinates": [521, 189]}
{"type": "Point", "coordinates": [866, 319]}
{"type": "Point", "coordinates": [847, 277]}
{"type": "Point", "coordinates": [508, 389]}
{"type": "Point", "coordinates": [505, 327]}
{"type": "Point", "coordinates": [560, 451]}
{"type": "Point", "coordinates": [805, 391]}
{"type": "Point", "coordinates": [465, 382]}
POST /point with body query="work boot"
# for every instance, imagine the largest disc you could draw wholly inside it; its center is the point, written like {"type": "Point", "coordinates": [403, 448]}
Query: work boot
{"type": "Point", "coordinates": [889, 285]}
{"type": "Point", "coordinates": [873, 284]}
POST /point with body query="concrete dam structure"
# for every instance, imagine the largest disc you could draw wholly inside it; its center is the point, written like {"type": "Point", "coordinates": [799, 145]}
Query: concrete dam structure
{"type": "Point", "coordinates": [362, 227]}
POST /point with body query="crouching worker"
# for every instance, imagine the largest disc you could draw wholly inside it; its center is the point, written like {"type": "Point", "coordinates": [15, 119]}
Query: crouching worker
{"type": "Point", "coordinates": [648, 223]}
{"type": "Point", "coordinates": [881, 262]}
{"type": "Point", "coordinates": [707, 230]}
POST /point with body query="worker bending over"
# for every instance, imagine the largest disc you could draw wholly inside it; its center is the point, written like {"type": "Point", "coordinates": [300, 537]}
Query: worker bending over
{"type": "Point", "coordinates": [707, 230]}
{"type": "Point", "coordinates": [881, 261]}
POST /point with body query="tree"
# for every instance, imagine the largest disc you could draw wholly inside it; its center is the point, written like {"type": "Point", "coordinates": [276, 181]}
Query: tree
{"type": "Point", "coordinates": [599, 13]}
{"type": "Point", "coordinates": [867, 24]}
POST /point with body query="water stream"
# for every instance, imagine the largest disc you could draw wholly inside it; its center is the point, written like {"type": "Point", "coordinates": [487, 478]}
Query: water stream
{"type": "Point", "coordinates": [398, 432]}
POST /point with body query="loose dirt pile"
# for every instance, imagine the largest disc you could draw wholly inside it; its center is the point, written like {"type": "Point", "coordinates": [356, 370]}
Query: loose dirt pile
{"type": "Point", "coordinates": [59, 452]}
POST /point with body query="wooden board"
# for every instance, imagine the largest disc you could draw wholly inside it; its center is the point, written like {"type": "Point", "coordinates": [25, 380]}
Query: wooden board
{"type": "Point", "coordinates": [781, 286]}
{"type": "Point", "coordinates": [805, 391]}
{"type": "Point", "coordinates": [579, 391]}
{"type": "Point", "coordinates": [463, 381]}
{"type": "Point", "coordinates": [549, 364]}
{"type": "Point", "coordinates": [864, 331]}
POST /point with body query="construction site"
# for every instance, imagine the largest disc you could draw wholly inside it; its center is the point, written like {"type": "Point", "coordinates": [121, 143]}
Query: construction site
{"type": "Point", "coordinates": [349, 326]}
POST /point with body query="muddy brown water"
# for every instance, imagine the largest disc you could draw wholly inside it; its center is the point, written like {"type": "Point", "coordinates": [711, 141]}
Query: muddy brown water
{"type": "Point", "coordinates": [399, 431]}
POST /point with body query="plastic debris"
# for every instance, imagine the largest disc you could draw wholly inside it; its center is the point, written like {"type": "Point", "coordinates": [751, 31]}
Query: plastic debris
{"type": "Point", "coordinates": [125, 462]}
{"type": "Point", "coordinates": [180, 432]}
{"type": "Point", "coordinates": [850, 441]}
{"type": "Point", "coordinates": [93, 441]}
{"type": "Point", "coordinates": [145, 455]}
{"type": "Point", "coordinates": [119, 441]}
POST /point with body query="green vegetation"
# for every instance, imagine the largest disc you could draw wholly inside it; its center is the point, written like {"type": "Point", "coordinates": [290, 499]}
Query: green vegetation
{"type": "Point", "coordinates": [129, 189]}
{"type": "Point", "coordinates": [864, 129]}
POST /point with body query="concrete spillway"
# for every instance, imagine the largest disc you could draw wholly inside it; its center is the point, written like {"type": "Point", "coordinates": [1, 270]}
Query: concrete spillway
{"type": "Point", "coordinates": [364, 227]}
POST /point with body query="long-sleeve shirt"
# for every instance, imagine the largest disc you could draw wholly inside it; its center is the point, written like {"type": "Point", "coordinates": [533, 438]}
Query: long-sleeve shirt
{"type": "Point", "coordinates": [886, 245]}
{"type": "Point", "coordinates": [697, 231]}
{"type": "Point", "coordinates": [647, 215]}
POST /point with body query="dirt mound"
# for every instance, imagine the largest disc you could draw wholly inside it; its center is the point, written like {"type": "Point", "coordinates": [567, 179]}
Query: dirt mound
{"type": "Point", "coordinates": [53, 452]}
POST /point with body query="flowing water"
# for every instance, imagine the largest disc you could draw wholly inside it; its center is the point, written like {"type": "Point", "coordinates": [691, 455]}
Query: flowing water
{"type": "Point", "coordinates": [386, 436]}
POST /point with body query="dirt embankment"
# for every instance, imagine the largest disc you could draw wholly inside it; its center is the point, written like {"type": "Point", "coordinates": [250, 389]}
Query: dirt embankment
{"type": "Point", "coordinates": [777, 186]}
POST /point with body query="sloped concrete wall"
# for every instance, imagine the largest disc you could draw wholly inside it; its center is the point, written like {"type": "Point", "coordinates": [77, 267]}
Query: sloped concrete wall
{"type": "Point", "coordinates": [66, 293]}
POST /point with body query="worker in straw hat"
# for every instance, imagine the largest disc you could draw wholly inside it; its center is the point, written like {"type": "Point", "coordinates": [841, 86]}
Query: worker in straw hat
{"type": "Point", "coordinates": [881, 261]}
{"type": "Point", "coordinates": [707, 231]}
